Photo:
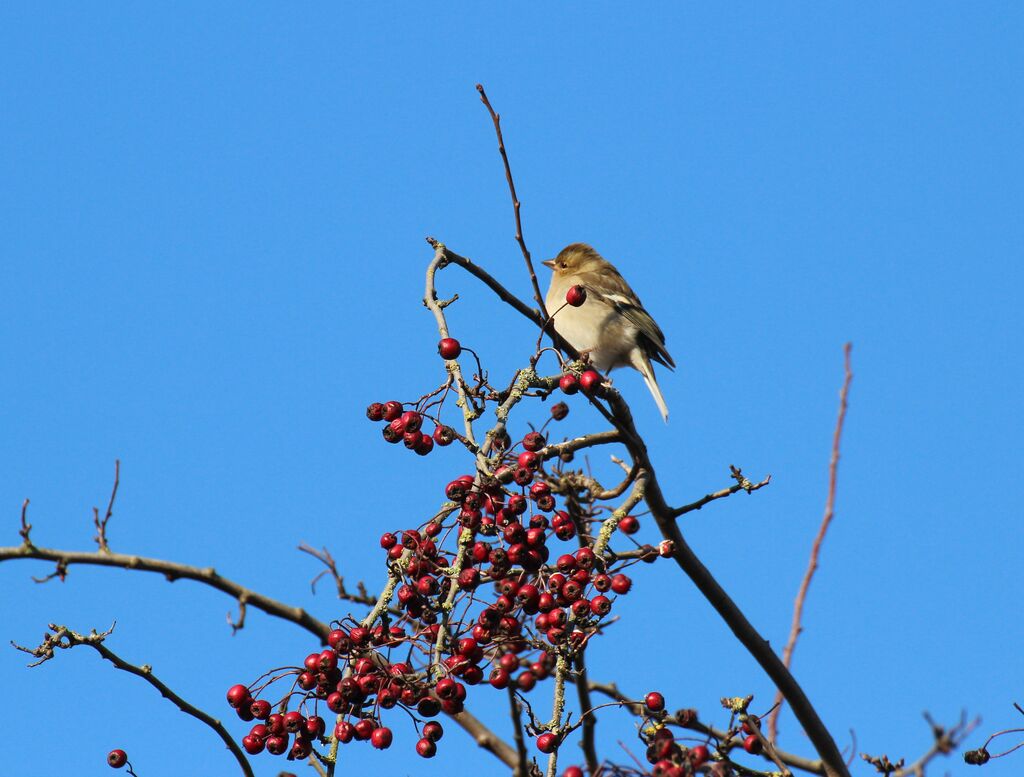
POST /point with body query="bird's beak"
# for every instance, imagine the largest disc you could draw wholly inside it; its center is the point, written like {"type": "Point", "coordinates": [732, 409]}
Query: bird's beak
{"type": "Point", "coordinates": [549, 263]}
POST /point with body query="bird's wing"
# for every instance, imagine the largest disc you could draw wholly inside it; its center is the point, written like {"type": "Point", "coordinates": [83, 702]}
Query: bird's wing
{"type": "Point", "coordinates": [611, 288]}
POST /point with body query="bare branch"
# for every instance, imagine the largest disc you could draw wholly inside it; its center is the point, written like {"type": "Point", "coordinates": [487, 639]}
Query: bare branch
{"type": "Point", "coordinates": [172, 571]}
{"type": "Point", "coordinates": [64, 638]}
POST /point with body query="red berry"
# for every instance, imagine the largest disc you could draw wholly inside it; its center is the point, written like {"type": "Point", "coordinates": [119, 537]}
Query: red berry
{"type": "Point", "coordinates": [300, 749]}
{"type": "Point", "coordinates": [425, 445]}
{"type": "Point", "coordinates": [426, 748]}
{"type": "Point", "coordinates": [654, 701]}
{"type": "Point", "coordinates": [411, 421]}
{"type": "Point", "coordinates": [364, 729]}
{"type": "Point", "coordinates": [238, 695]}
{"type": "Point", "coordinates": [746, 727]}
{"type": "Point", "coordinates": [526, 681]}
{"type": "Point", "coordinates": [315, 726]}
{"type": "Point", "coordinates": [576, 296]}
{"type": "Point", "coordinates": [293, 721]}
{"type": "Point", "coordinates": [381, 738]}
{"type": "Point", "coordinates": [444, 435]}
{"type": "Point", "coordinates": [547, 743]}
{"type": "Point", "coordinates": [699, 756]}
{"type": "Point", "coordinates": [275, 724]}
{"type": "Point", "coordinates": [392, 410]}
{"type": "Point", "coordinates": [117, 758]}
{"type": "Point", "coordinates": [629, 525]}
{"type": "Point", "coordinates": [528, 460]}
{"type": "Point", "coordinates": [253, 745]}
{"type": "Point", "coordinates": [260, 709]}
{"type": "Point", "coordinates": [590, 383]}
{"type": "Point", "coordinates": [449, 348]}
{"type": "Point", "coordinates": [753, 745]}
{"type": "Point", "coordinates": [573, 771]}
{"type": "Point", "coordinates": [621, 584]}
{"type": "Point", "coordinates": [375, 412]}
{"type": "Point", "coordinates": [391, 433]}
{"type": "Point", "coordinates": [569, 384]}
{"type": "Point", "coordinates": [277, 745]}
{"type": "Point", "coordinates": [344, 731]}
{"type": "Point", "coordinates": [601, 605]}
{"type": "Point", "coordinates": [446, 688]}
{"type": "Point", "coordinates": [499, 678]}
{"type": "Point", "coordinates": [433, 731]}
{"type": "Point", "coordinates": [559, 410]}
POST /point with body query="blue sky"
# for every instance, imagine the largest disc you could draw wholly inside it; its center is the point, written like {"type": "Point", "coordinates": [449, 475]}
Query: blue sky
{"type": "Point", "coordinates": [213, 259]}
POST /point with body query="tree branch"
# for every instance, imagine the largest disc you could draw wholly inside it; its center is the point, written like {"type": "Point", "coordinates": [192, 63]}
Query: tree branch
{"type": "Point", "coordinates": [172, 571]}
{"type": "Point", "coordinates": [64, 638]}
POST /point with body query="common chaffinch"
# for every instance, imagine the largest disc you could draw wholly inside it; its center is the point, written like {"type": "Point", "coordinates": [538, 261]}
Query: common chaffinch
{"type": "Point", "coordinates": [611, 326]}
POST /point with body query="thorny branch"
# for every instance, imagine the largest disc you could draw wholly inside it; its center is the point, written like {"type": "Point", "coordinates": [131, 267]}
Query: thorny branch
{"type": "Point", "coordinates": [63, 638]}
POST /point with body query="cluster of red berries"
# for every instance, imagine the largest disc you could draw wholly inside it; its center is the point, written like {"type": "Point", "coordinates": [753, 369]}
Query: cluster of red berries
{"type": "Point", "coordinates": [589, 382]}
{"type": "Point", "coordinates": [406, 426]}
{"type": "Point", "coordinates": [351, 680]}
{"type": "Point", "coordinates": [509, 613]}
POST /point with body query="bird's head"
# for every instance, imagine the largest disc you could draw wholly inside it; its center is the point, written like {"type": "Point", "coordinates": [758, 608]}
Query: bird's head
{"type": "Point", "coordinates": [573, 259]}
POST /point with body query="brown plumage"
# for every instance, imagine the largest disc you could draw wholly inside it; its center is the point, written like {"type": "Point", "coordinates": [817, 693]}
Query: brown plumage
{"type": "Point", "coordinates": [611, 325]}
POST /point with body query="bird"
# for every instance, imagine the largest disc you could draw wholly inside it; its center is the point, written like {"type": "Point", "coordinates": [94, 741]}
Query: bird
{"type": "Point", "coordinates": [611, 326]}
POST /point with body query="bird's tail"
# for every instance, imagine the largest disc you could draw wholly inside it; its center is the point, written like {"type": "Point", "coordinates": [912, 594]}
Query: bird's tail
{"type": "Point", "coordinates": [644, 367]}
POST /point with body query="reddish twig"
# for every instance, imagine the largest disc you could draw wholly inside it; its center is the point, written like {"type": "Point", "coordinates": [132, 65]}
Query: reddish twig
{"type": "Point", "coordinates": [515, 202]}
{"type": "Point", "coordinates": [812, 566]}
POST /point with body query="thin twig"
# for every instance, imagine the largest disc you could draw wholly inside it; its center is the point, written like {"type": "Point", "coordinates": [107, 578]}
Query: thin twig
{"type": "Point", "coordinates": [812, 565]}
{"type": "Point", "coordinates": [517, 733]}
{"type": "Point", "coordinates": [515, 202]}
{"type": "Point", "coordinates": [101, 524]}
{"type": "Point", "coordinates": [741, 484]}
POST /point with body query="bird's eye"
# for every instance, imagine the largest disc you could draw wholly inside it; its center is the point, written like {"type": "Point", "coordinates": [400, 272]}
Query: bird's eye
{"type": "Point", "coordinates": [563, 265]}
